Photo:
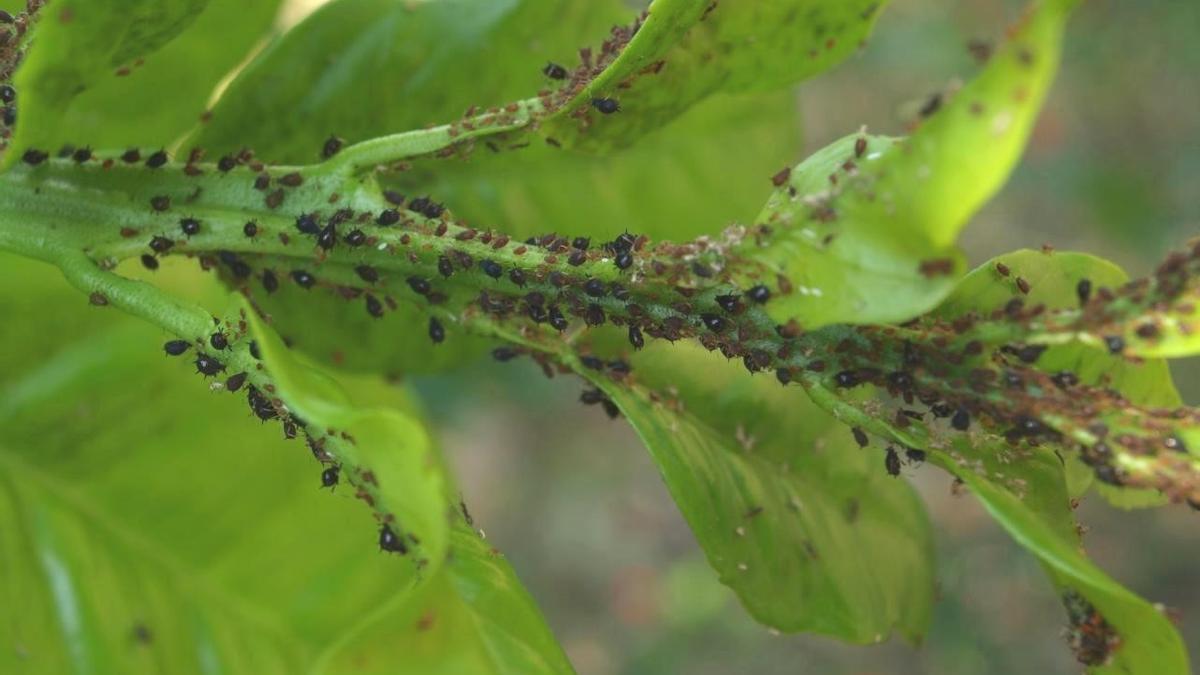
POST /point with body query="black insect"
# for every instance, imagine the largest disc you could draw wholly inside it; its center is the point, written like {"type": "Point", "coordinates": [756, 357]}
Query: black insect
{"type": "Point", "coordinates": [1030, 353]}
{"type": "Point", "coordinates": [623, 260]}
{"type": "Point", "coordinates": [260, 405]}
{"type": "Point", "coordinates": [594, 288]}
{"type": "Point", "coordinates": [235, 382]}
{"type": "Point", "coordinates": [157, 160]}
{"type": "Point", "coordinates": [226, 163]}
{"type": "Point", "coordinates": [34, 157]}
{"type": "Point", "coordinates": [847, 378]}
{"type": "Point", "coordinates": [82, 155]}
{"type": "Point", "coordinates": [190, 226]}
{"type": "Point", "coordinates": [517, 277]}
{"type": "Point", "coordinates": [218, 340]}
{"type": "Point", "coordinates": [1115, 344]}
{"type": "Point", "coordinates": [10, 116]}
{"type": "Point", "coordinates": [262, 181]}
{"type": "Point", "coordinates": [610, 409]}
{"type": "Point", "coordinates": [304, 279]}
{"type": "Point", "coordinates": [914, 455]}
{"type": "Point", "coordinates": [7, 93]}
{"type": "Point", "coordinates": [491, 268]}
{"type": "Point", "coordinates": [784, 375]}
{"type": "Point", "coordinates": [356, 238]}
{"type": "Point", "coordinates": [328, 237]}
{"type": "Point", "coordinates": [1083, 290]}
{"type": "Point", "coordinates": [503, 354]}
{"type": "Point", "coordinates": [269, 281]}
{"type": "Point", "coordinates": [333, 145]}
{"type": "Point", "coordinates": [1064, 379]}
{"type": "Point", "coordinates": [713, 322]}
{"type": "Point", "coordinates": [891, 462]}
{"type": "Point", "coordinates": [961, 420]}
{"type": "Point", "coordinates": [635, 337]}
{"type": "Point", "coordinates": [419, 285]}
{"type": "Point", "coordinates": [388, 217]}
{"type": "Point", "coordinates": [759, 294]}
{"type": "Point", "coordinates": [557, 320]}
{"type": "Point", "coordinates": [436, 332]}
{"type": "Point", "coordinates": [594, 315]}
{"type": "Point", "coordinates": [254, 350]}
{"type": "Point", "coordinates": [445, 268]}
{"type": "Point", "coordinates": [207, 365]}
{"type": "Point", "coordinates": [160, 202]}
{"type": "Point", "coordinates": [389, 541]}
{"type": "Point", "coordinates": [160, 244]}
{"type": "Point", "coordinates": [307, 223]}
{"type": "Point", "coordinates": [374, 306]}
{"type": "Point", "coordinates": [176, 347]}
{"type": "Point", "coordinates": [592, 396]}
{"type": "Point", "coordinates": [149, 261]}
{"type": "Point", "coordinates": [250, 229]}
{"type": "Point", "coordinates": [577, 258]}
{"type": "Point", "coordinates": [554, 71]}
{"type": "Point", "coordinates": [581, 243]}
{"type": "Point", "coordinates": [367, 273]}
{"type": "Point", "coordinates": [131, 156]}
{"type": "Point", "coordinates": [860, 437]}
{"type": "Point", "coordinates": [593, 362]}
{"type": "Point", "coordinates": [729, 303]}
{"type": "Point", "coordinates": [329, 477]}
{"type": "Point", "coordinates": [607, 106]}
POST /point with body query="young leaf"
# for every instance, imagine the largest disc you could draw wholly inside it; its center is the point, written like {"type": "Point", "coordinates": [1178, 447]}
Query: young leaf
{"type": "Point", "coordinates": [80, 43]}
{"type": "Point", "coordinates": [878, 246]}
{"type": "Point", "coordinates": [807, 529]}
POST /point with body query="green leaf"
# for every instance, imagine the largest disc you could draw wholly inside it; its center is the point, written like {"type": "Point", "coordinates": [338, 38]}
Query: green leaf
{"type": "Point", "coordinates": [686, 50]}
{"type": "Point", "coordinates": [1052, 278]}
{"type": "Point", "coordinates": [806, 528]}
{"type": "Point", "coordinates": [878, 246]}
{"type": "Point", "coordinates": [150, 524]}
{"type": "Point", "coordinates": [364, 68]}
{"type": "Point", "coordinates": [84, 44]}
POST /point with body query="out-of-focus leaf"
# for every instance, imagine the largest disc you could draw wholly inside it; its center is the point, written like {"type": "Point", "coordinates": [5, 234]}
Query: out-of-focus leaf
{"type": "Point", "coordinates": [150, 524]}
{"type": "Point", "coordinates": [80, 44]}
{"type": "Point", "coordinates": [122, 111]}
{"type": "Point", "coordinates": [1052, 279]}
{"type": "Point", "coordinates": [879, 245]}
{"type": "Point", "coordinates": [807, 529]}
{"type": "Point", "coordinates": [365, 68]}
{"type": "Point", "coordinates": [687, 50]}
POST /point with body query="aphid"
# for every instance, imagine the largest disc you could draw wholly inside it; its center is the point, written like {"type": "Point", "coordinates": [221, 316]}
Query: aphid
{"type": "Point", "coordinates": [390, 542]}
{"type": "Point", "coordinates": [503, 354]}
{"type": "Point", "coordinates": [554, 71]}
{"type": "Point", "coordinates": [847, 378]}
{"type": "Point", "coordinates": [900, 380]}
{"type": "Point", "coordinates": [961, 420]}
{"type": "Point", "coordinates": [419, 285]}
{"type": "Point", "coordinates": [1002, 269]}
{"type": "Point", "coordinates": [860, 437]}
{"type": "Point", "coordinates": [891, 462]}
{"type": "Point", "coordinates": [619, 366]}
{"type": "Point", "coordinates": [557, 320]}
{"type": "Point", "coordinates": [577, 258]}
{"type": "Point", "coordinates": [759, 294]}
{"type": "Point", "coordinates": [623, 260]}
{"type": "Point", "coordinates": [374, 306]}
{"type": "Point", "coordinates": [1023, 285]}
{"type": "Point", "coordinates": [190, 226]}
{"type": "Point", "coordinates": [607, 106]}
{"type": "Point", "coordinates": [157, 160]}
{"type": "Point", "coordinates": [517, 277]}
{"type": "Point", "coordinates": [329, 476]}
{"type": "Point", "coordinates": [1030, 353]}
{"type": "Point", "coordinates": [635, 337]}
{"type": "Point", "coordinates": [729, 303]}
{"type": "Point", "coordinates": [591, 396]}
{"type": "Point", "coordinates": [914, 455]}
{"type": "Point", "coordinates": [82, 155]}
{"type": "Point", "coordinates": [262, 181]}
{"type": "Point", "coordinates": [594, 288]}
{"type": "Point", "coordinates": [782, 176]}
{"type": "Point", "coordinates": [226, 163]}
{"type": "Point", "coordinates": [784, 375]}
{"type": "Point", "coordinates": [176, 347]}
{"type": "Point", "coordinates": [7, 93]}
{"type": "Point", "coordinates": [388, 217]}
{"type": "Point", "coordinates": [328, 237]}
{"type": "Point", "coordinates": [10, 116]}
{"type": "Point", "coordinates": [254, 350]}
{"type": "Point", "coordinates": [581, 243]}
{"type": "Point", "coordinates": [269, 281]}
{"type": "Point", "coordinates": [594, 315]}
{"type": "Point", "coordinates": [367, 273]}
{"type": "Point", "coordinates": [304, 279]}
{"type": "Point", "coordinates": [1065, 378]}
{"type": "Point", "coordinates": [149, 261]}
{"type": "Point", "coordinates": [356, 238]}
{"type": "Point", "coordinates": [860, 147]}
{"type": "Point", "coordinates": [5, 17]}
{"type": "Point", "coordinates": [491, 268]}
{"type": "Point", "coordinates": [207, 365]}
{"type": "Point", "coordinates": [218, 340]}
{"type": "Point", "coordinates": [293, 179]}
{"type": "Point", "coordinates": [593, 362]}
{"type": "Point", "coordinates": [160, 244]}
{"type": "Point", "coordinates": [160, 202]}
{"type": "Point", "coordinates": [250, 229]}
{"type": "Point", "coordinates": [1083, 290]}
{"type": "Point", "coordinates": [235, 382]}
{"type": "Point", "coordinates": [436, 332]}
{"type": "Point", "coordinates": [445, 268]}
{"type": "Point", "coordinates": [610, 409]}
{"type": "Point", "coordinates": [333, 145]}
{"type": "Point", "coordinates": [1115, 344]}
{"type": "Point", "coordinates": [34, 157]}
{"type": "Point", "coordinates": [307, 223]}
{"type": "Point", "coordinates": [713, 322]}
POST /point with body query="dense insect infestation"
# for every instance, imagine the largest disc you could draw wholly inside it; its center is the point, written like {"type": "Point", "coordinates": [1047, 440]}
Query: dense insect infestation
{"type": "Point", "coordinates": [789, 370]}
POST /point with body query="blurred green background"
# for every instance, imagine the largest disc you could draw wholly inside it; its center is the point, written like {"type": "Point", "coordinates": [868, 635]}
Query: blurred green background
{"type": "Point", "coordinates": [579, 507]}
